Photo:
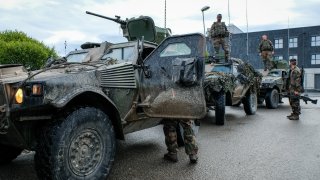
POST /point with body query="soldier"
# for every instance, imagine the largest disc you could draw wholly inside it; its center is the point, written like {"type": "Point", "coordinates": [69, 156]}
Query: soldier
{"type": "Point", "coordinates": [266, 52]}
{"type": "Point", "coordinates": [294, 90]}
{"type": "Point", "coordinates": [218, 34]}
{"type": "Point", "coordinates": [191, 148]}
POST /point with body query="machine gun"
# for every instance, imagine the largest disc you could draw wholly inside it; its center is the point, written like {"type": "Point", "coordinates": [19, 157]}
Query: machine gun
{"type": "Point", "coordinates": [144, 28]}
{"type": "Point", "coordinates": [304, 98]}
{"type": "Point", "coordinates": [117, 19]}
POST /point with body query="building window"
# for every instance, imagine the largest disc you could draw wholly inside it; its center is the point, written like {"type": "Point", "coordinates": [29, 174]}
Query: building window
{"type": "Point", "coordinates": [315, 40]}
{"type": "Point", "coordinates": [278, 57]}
{"type": "Point", "coordinates": [278, 43]}
{"type": "Point", "coordinates": [315, 59]}
{"type": "Point", "coordinates": [293, 42]}
{"type": "Point", "coordinates": [293, 57]}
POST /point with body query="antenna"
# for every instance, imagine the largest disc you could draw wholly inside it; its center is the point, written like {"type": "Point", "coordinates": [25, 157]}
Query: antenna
{"type": "Point", "coordinates": [165, 18]}
{"type": "Point", "coordinates": [288, 40]}
{"type": "Point", "coordinates": [65, 47]}
{"type": "Point", "coordinates": [229, 11]}
{"type": "Point", "coordinates": [230, 35]}
{"type": "Point", "coordinates": [247, 29]}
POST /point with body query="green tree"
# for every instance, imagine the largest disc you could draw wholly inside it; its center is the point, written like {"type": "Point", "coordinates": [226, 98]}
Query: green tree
{"type": "Point", "coordinates": [18, 48]}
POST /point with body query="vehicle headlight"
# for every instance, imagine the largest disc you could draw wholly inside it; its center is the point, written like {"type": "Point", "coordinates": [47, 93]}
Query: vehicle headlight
{"type": "Point", "coordinates": [19, 96]}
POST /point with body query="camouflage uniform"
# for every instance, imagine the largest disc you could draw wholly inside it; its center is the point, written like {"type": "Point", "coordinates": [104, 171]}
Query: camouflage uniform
{"type": "Point", "coordinates": [169, 129]}
{"type": "Point", "coordinates": [266, 48]}
{"type": "Point", "coordinates": [295, 85]}
{"type": "Point", "coordinates": [218, 34]}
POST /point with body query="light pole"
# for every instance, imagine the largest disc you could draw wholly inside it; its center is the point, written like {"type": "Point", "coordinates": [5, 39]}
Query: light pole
{"type": "Point", "coordinates": [204, 9]}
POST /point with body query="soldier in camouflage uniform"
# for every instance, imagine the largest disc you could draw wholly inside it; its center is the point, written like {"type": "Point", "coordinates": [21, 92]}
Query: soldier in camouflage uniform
{"type": "Point", "coordinates": [266, 52]}
{"type": "Point", "coordinates": [191, 148]}
{"type": "Point", "coordinates": [294, 90]}
{"type": "Point", "coordinates": [218, 33]}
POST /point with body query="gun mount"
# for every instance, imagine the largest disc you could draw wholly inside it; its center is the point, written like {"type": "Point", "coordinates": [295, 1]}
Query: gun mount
{"type": "Point", "coordinates": [135, 28]}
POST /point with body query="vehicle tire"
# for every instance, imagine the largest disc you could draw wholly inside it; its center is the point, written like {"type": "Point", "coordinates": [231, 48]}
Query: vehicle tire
{"type": "Point", "coordinates": [80, 145]}
{"type": "Point", "coordinates": [250, 103]}
{"type": "Point", "coordinates": [272, 99]}
{"type": "Point", "coordinates": [220, 108]}
{"type": "Point", "coordinates": [8, 153]}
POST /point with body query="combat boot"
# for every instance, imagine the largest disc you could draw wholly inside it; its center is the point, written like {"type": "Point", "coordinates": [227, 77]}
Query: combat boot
{"type": "Point", "coordinates": [294, 117]}
{"type": "Point", "coordinates": [193, 158]}
{"type": "Point", "coordinates": [290, 115]}
{"type": "Point", "coordinates": [173, 157]}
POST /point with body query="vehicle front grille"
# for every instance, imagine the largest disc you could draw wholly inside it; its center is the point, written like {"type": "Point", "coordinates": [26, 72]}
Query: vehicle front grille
{"type": "Point", "coordinates": [119, 77]}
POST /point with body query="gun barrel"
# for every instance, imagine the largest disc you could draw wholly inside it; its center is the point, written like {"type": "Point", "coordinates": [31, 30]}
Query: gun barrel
{"type": "Point", "coordinates": [118, 20]}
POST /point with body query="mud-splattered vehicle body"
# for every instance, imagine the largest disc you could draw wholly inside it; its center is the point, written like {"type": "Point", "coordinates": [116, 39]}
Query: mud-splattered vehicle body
{"type": "Point", "coordinates": [230, 85]}
{"type": "Point", "coordinates": [72, 111]}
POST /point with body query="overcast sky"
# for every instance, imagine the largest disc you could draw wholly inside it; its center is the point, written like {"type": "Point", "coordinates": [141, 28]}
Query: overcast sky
{"type": "Point", "coordinates": [57, 21]}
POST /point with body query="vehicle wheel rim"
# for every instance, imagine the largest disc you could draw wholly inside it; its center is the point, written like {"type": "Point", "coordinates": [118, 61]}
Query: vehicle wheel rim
{"type": "Point", "coordinates": [85, 152]}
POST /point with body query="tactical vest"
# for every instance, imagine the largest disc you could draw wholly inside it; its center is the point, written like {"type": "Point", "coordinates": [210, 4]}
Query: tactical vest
{"type": "Point", "coordinates": [265, 45]}
{"type": "Point", "coordinates": [219, 29]}
{"type": "Point", "coordinates": [294, 85]}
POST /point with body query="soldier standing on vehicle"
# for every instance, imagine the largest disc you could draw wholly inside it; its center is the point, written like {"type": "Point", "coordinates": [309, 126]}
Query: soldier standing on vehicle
{"type": "Point", "coordinates": [294, 90]}
{"type": "Point", "coordinates": [266, 52]}
{"type": "Point", "coordinates": [218, 34]}
{"type": "Point", "coordinates": [191, 148]}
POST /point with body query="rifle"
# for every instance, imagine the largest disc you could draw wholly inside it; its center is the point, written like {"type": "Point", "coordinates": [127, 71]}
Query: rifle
{"type": "Point", "coordinates": [304, 98]}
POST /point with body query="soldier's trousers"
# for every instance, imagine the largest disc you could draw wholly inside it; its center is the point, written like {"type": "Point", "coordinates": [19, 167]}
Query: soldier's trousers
{"type": "Point", "coordinates": [295, 105]}
{"type": "Point", "coordinates": [267, 59]}
{"type": "Point", "coordinates": [221, 41]}
{"type": "Point", "coordinates": [169, 129]}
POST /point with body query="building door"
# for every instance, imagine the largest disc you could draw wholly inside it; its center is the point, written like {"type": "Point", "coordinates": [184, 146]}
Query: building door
{"type": "Point", "coordinates": [317, 81]}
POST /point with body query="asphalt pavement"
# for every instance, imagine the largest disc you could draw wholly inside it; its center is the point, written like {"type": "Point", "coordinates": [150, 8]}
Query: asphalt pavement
{"type": "Point", "coordinates": [263, 146]}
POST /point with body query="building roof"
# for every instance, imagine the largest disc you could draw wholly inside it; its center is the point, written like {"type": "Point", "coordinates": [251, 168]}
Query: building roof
{"type": "Point", "coordinates": [234, 29]}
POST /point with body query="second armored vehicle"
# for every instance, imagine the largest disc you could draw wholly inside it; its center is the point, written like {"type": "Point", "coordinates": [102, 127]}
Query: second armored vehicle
{"type": "Point", "coordinates": [231, 84]}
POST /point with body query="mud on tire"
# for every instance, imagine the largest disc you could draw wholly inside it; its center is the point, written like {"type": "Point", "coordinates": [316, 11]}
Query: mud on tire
{"type": "Point", "coordinates": [8, 153]}
{"type": "Point", "coordinates": [80, 145]}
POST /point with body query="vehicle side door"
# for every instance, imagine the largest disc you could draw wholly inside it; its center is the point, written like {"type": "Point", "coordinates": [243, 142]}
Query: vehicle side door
{"type": "Point", "coordinates": [174, 88]}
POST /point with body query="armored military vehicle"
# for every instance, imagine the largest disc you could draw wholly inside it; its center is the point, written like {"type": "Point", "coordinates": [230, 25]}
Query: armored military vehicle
{"type": "Point", "coordinates": [230, 85]}
{"type": "Point", "coordinates": [272, 88]}
{"type": "Point", "coordinates": [274, 85]}
{"type": "Point", "coordinates": [71, 111]}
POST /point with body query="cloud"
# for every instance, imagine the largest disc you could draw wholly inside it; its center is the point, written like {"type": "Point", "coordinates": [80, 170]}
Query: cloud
{"type": "Point", "coordinates": [56, 21]}
{"type": "Point", "coordinates": [73, 36]}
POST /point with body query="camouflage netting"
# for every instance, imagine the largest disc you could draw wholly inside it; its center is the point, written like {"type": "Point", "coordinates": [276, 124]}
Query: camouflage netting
{"type": "Point", "coordinates": [280, 64]}
{"type": "Point", "coordinates": [218, 81]}
{"type": "Point", "coordinates": [248, 75]}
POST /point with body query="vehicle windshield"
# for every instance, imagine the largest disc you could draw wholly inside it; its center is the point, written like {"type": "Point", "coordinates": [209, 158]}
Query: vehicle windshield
{"type": "Point", "coordinates": [225, 69]}
{"type": "Point", "coordinates": [274, 74]}
{"type": "Point", "coordinates": [78, 57]}
{"type": "Point", "coordinates": [176, 49]}
{"type": "Point", "coordinates": [121, 54]}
